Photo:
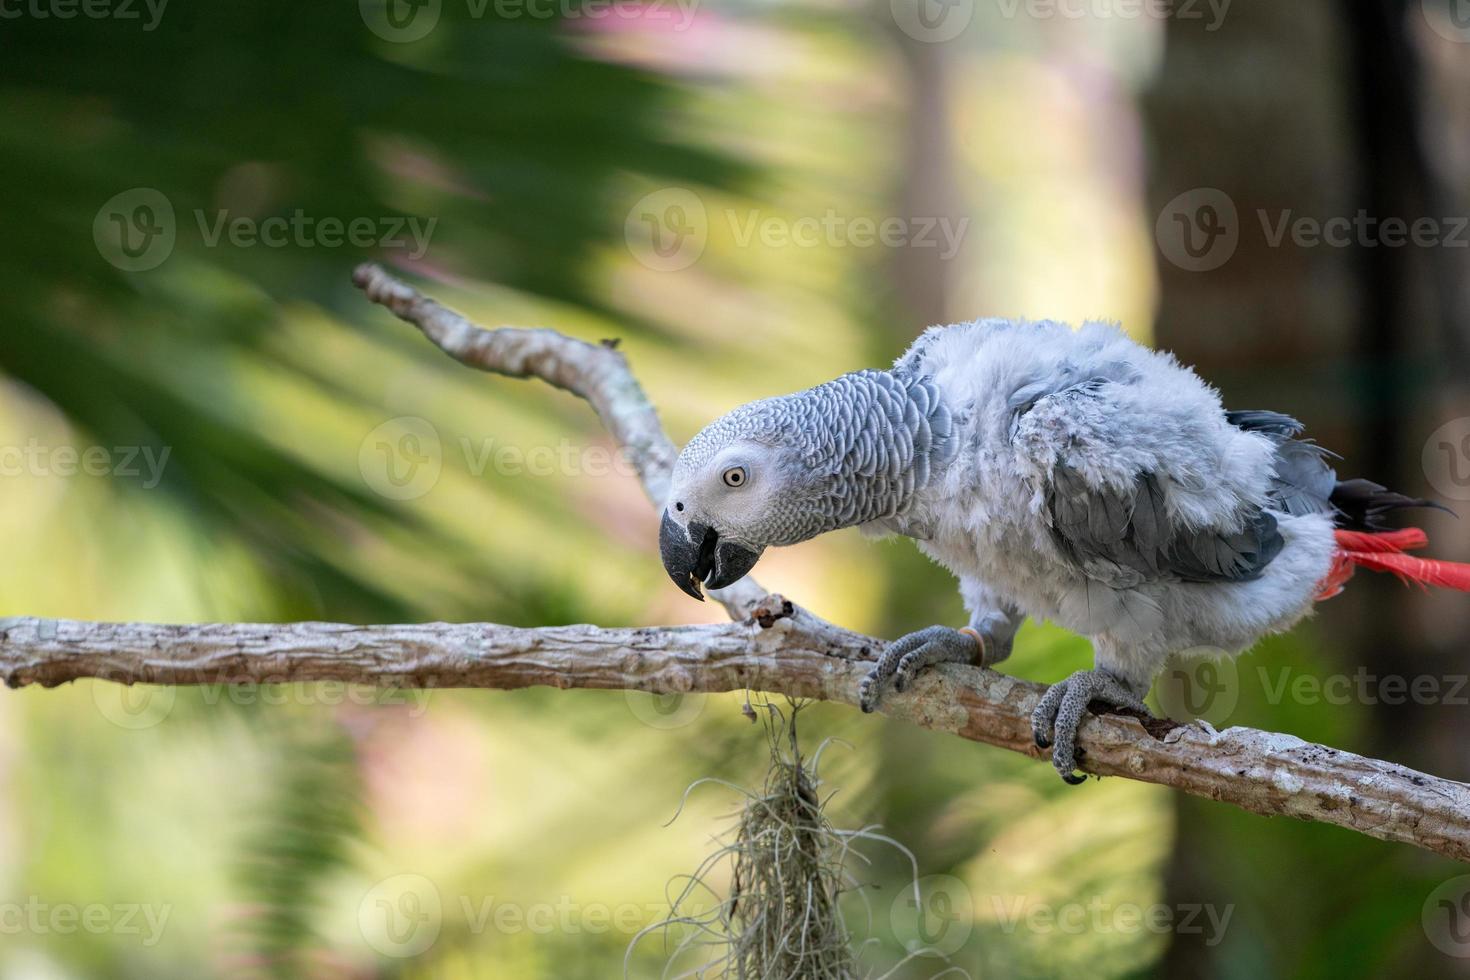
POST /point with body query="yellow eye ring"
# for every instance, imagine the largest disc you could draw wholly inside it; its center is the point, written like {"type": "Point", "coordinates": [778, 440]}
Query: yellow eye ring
{"type": "Point", "coordinates": [735, 476]}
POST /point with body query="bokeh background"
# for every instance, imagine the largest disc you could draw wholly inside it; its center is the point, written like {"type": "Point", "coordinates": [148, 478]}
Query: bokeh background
{"type": "Point", "coordinates": [200, 419]}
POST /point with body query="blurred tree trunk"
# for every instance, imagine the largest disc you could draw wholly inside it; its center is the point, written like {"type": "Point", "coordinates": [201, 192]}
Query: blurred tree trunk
{"type": "Point", "coordinates": [1312, 109]}
{"type": "Point", "coordinates": [926, 185]}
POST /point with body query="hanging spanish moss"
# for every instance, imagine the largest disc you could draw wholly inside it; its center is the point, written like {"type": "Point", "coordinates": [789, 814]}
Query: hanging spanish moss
{"type": "Point", "coordinates": [789, 868]}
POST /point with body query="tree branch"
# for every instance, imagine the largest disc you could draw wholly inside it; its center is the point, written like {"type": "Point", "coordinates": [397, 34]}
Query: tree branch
{"type": "Point", "coordinates": [598, 374]}
{"type": "Point", "coordinates": [780, 649]}
{"type": "Point", "coordinates": [771, 646]}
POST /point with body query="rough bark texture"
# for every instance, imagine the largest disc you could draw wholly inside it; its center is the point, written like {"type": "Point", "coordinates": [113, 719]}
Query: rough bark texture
{"type": "Point", "coordinates": [778, 649]}
{"type": "Point", "coordinates": [771, 646]}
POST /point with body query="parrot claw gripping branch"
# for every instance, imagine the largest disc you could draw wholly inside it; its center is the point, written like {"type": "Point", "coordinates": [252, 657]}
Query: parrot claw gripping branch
{"type": "Point", "coordinates": [1069, 475]}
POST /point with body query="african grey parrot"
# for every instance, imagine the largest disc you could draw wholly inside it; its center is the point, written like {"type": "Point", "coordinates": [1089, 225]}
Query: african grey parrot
{"type": "Point", "coordinates": [1070, 475]}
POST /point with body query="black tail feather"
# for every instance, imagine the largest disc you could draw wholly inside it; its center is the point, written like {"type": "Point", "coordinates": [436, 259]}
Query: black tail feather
{"type": "Point", "coordinates": [1305, 483]}
{"type": "Point", "coordinates": [1362, 505]}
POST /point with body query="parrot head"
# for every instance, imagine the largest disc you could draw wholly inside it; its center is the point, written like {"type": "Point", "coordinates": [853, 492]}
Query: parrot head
{"type": "Point", "coordinates": [783, 470]}
{"type": "Point", "coordinates": [741, 485]}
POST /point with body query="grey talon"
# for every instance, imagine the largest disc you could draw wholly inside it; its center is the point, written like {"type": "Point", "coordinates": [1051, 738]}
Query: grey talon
{"type": "Point", "coordinates": [1061, 711]}
{"type": "Point", "coordinates": [905, 658]}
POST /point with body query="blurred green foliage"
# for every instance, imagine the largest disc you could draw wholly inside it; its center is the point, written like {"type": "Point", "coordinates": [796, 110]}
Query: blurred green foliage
{"type": "Point", "coordinates": [316, 831]}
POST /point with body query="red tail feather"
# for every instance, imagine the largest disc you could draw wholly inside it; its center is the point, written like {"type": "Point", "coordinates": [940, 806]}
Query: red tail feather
{"type": "Point", "coordinates": [1422, 571]}
{"type": "Point", "coordinates": [1383, 552]}
{"type": "Point", "coordinates": [1382, 541]}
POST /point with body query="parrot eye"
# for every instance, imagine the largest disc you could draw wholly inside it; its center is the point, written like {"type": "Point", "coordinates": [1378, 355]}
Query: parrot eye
{"type": "Point", "coordinates": [735, 476]}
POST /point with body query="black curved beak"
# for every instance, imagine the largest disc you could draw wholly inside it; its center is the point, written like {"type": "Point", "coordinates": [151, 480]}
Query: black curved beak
{"type": "Point", "coordinates": [695, 555]}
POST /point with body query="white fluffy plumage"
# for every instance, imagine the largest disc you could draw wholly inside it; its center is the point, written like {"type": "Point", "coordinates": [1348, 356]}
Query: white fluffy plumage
{"type": "Point", "coordinates": [1030, 397]}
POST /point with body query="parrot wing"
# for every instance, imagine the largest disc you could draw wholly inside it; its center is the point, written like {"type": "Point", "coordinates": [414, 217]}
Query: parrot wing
{"type": "Point", "coordinates": [1117, 526]}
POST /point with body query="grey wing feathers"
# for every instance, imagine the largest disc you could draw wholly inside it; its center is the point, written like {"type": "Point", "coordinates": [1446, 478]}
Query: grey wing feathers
{"type": "Point", "coordinates": [1132, 537]}
{"type": "Point", "coordinates": [1304, 481]}
{"type": "Point", "coordinates": [1128, 536]}
{"type": "Point", "coordinates": [1271, 423]}
{"type": "Point", "coordinates": [1213, 556]}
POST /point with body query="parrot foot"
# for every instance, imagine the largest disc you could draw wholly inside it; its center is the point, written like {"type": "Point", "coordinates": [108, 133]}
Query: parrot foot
{"type": "Point", "coordinates": [1062, 709]}
{"type": "Point", "coordinates": [902, 660]}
